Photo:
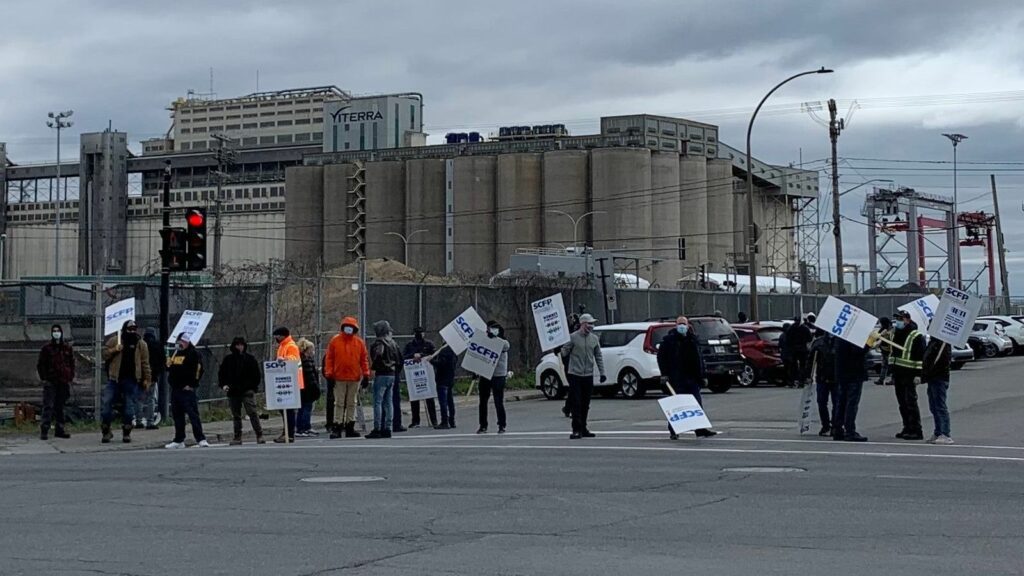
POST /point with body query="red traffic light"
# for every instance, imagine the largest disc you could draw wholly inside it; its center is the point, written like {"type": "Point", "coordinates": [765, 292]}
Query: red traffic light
{"type": "Point", "coordinates": [195, 219]}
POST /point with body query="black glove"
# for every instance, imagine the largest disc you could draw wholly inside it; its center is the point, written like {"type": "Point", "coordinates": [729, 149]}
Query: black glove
{"type": "Point", "coordinates": [604, 379]}
{"type": "Point", "coordinates": [365, 383]}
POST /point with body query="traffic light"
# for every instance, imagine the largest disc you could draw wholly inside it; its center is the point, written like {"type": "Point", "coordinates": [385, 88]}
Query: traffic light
{"type": "Point", "coordinates": [703, 275]}
{"type": "Point", "coordinates": [195, 219]}
{"type": "Point", "coordinates": [173, 249]}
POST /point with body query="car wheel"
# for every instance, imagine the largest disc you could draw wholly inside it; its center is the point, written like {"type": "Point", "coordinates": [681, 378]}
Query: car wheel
{"type": "Point", "coordinates": [631, 385]}
{"type": "Point", "coordinates": [551, 386]}
{"type": "Point", "coordinates": [990, 350]}
{"type": "Point", "coordinates": [720, 384]}
{"type": "Point", "coordinates": [956, 365]}
{"type": "Point", "coordinates": [749, 376]}
{"type": "Point", "coordinates": [608, 391]}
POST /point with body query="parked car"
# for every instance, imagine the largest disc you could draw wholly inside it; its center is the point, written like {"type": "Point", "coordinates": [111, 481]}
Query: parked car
{"type": "Point", "coordinates": [1013, 328]}
{"type": "Point", "coordinates": [961, 356]}
{"type": "Point", "coordinates": [988, 339]}
{"type": "Point", "coordinates": [759, 346]}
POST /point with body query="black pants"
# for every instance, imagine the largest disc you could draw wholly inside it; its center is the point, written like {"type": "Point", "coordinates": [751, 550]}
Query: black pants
{"type": "Point", "coordinates": [249, 403]}
{"type": "Point", "coordinates": [581, 388]}
{"type": "Point", "coordinates": [496, 387]}
{"type": "Point", "coordinates": [800, 367]}
{"type": "Point", "coordinates": [414, 407]}
{"type": "Point", "coordinates": [845, 407]}
{"type": "Point", "coordinates": [396, 404]}
{"type": "Point", "coordinates": [184, 403]}
{"type": "Point", "coordinates": [329, 409]}
{"type": "Point", "coordinates": [687, 386]}
{"type": "Point", "coordinates": [906, 397]}
{"type": "Point", "coordinates": [54, 397]}
{"type": "Point", "coordinates": [824, 390]}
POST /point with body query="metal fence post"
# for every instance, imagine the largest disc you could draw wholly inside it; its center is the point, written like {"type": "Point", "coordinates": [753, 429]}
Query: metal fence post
{"type": "Point", "coordinates": [318, 340]}
{"type": "Point", "coordinates": [269, 351]}
{"type": "Point", "coordinates": [99, 318]}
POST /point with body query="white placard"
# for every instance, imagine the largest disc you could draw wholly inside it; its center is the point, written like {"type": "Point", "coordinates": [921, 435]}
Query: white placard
{"type": "Point", "coordinates": [419, 377]}
{"type": "Point", "coordinates": [193, 323]}
{"type": "Point", "coordinates": [551, 322]}
{"type": "Point", "coordinates": [459, 331]}
{"type": "Point", "coordinates": [481, 358]}
{"type": "Point", "coordinates": [955, 316]}
{"type": "Point", "coordinates": [117, 314]}
{"type": "Point", "coordinates": [808, 414]}
{"type": "Point", "coordinates": [684, 413]}
{"type": "Point", "coordinates": [846, 321]}
{"type": "Point", "coordinates": [282, 383]}
{"type": "Point", "coordinates": [922, 310]}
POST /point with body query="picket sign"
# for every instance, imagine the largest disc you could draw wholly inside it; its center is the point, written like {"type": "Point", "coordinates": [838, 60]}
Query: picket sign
{"type": "Point", "coordinates": [955, 317]}
{"type": "Point", "coordinates": [480, 359]}
{"type": "Point", "coordinates": [807, 403]}
{"type": "Point", "coordinates": [282, 384]}
{"type": "Point", "coordinates": [846, 321]}
{"type": "Point", "coordinates": [117, 314]}
{"type": "Point", "coordinates": [922, 310]}
{"type": "Point", "coordinates": [684, 413]}
{"type": "Point", "coordinates": [193, 323]}
{"type": "Point", "coordinates": [419, 377]}
{"type": "Point", "coordinates": [551, 322]}
{"type": "Point", "coordinates": [464, 327]}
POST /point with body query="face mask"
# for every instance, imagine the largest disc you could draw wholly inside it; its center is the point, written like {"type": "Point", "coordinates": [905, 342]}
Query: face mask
{"type": "Point", "coordinates": [900, 324]}
{"type": "Point", "coordinates": [348, 330]}
{"type": "Point", "coordinates": [682, 329]}
{"type": "Point", "coordinates": [493, 332]}
{"type": "Point", "coordinates": [56, 335]}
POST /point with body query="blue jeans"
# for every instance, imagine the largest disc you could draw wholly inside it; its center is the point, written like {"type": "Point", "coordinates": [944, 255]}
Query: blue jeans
{"type": "Point", "coordinates": [145, 404]}
{"type": "Point", "coordinates": [304, 419]}
{"type": "Point", "coordinates": [849, 402]}
{"type": "Point", "coordinates": [823, 391]}
{"type": "Point", "coordinates": [937, 390]}
{"type": "Point", "coordinates": [382, 406]}
{"type": "Point", "coordinates": [125, 391]}
{"type": "Point", "coordinates": [446, 401]}
{"type": "Point", "coordinates": [396, 404]}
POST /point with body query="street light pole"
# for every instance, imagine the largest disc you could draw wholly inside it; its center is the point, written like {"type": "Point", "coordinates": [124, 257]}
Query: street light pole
{"type": "Point", "coordinates": [956, 139]}
{"type": "Point", "coordinates": [751, 231]}
{"type": "Point", "coordinates": [405, 241]}
{"type": "Point", "coordinates": [576, 222]}
{"type": "Point", "coordinates": [59, 121]}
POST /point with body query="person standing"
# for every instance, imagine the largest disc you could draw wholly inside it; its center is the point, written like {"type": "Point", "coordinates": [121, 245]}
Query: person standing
{"type": "Point", "coordinates": [445, 362]}
{"type": "Point", "coordinates": [495, 385]}
{"type": "Point", "coordinates": [935, 373]}
{"type": "Point", "coordinates": [310, 393]}
{"type": "Point", "coordinates": [799, 341]}
{"type": "Point", "coordinates": [418, 348]}
{"type": "Point", "coordinates": [127, 360]}
{"type": "Point", "coordinates": [741, 318]}
{"type": "Point", "coordinates": [680, 362]}
{"type": "Point", "coordinates": [145, 401]}
{"type": "Point", "coordinates": [56, 368]}
{"type": "Point", "coordinates": [385, 361]}
{"type": "Point", "coordinates": [574, 325]}
{"type": "Point", "coordinates": [583, 352]}
{"type": "Point", "coordinates": [288, 351]}
{"type": "Point", "coordinates": [239, 376]}
{"type": "Point", "coordinates": [347, 364]}
{"type": "Point", "coordinates": [184, 369]}
{"type": "Point", "coordinates": [907, 366]}
{"type": "Point", "coordinates": [884, 331]}
{"type": "Point", "coordinates": [823, 360]}
{"type": "Point", "coordinates": [786, 353]}
{"type": "Point", "coordinates": [851, 373]}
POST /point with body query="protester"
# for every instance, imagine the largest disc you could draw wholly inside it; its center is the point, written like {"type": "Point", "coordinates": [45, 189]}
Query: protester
{"type": "Point", "coordinates": [851, 373]}
{"type": "Point", "coordinates": [826, 387]}
{"type": "Point", "coordinates": [886, 333]}
{"type": "Point", "coordinates": [396, 401]}
{"type": "Point", "coordinates": [239, 376]}
{"type": "Point", "coordinates": [310, 393]}
{"type": "Point", "coordinates": [385, 362]}
{"type": "Point", "coordinates": [935, 372]}
{"type": "Point", "coordinates": [680, 362]}
{"type": "Point", "coordinates": [56, 368]}
{"type": "Point", "coordinates": [583, 353]}
{"type": "Point", "coordinates": [445, 362]}
{"type": "Point", "coordinates": [786, 353]}
{"type": "Point", "coordinates": [127, 361]}
{"type": "Point", "coordinates": [741, 318]}
{"type": "Point", "coordinates": [184, 369]}
{"type": "Point", "coordinates": [288, 351]}
{"type": "Point", "coordinates": [418, 348]}
{"type": "Point", "coordinates": [906, 369]}
{"type": "Point", "coordinates": [347, 364]}
{"type": "Point", "coordinates": [145, 400]}
{"type": "Point", "coordinates": [495, 385]}
{"type": "Point", "coordinates": [574, 325]}
{"type": "Point", "coordinates": [799, 340]}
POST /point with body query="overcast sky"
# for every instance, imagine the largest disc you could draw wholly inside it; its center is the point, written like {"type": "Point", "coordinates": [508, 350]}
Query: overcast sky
{"type": "Point", "coordinates": [917, 69]}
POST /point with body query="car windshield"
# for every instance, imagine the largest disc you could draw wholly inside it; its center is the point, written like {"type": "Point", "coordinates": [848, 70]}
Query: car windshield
{"type": "Point", "coordinates": [980, 327]}
{"type": "Point", "coordinates": [658, 334]}
{"type": "Point", "coordinates": [770, 335]}
{"type": "Point", "coordinates": [710, 328]}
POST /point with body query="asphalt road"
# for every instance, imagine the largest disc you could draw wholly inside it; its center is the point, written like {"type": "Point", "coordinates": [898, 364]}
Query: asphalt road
{"type": "Point", "coordinates": [533, 502]}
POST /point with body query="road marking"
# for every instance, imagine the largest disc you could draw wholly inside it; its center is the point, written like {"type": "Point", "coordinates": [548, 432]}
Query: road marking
{"type": "Point", "coordinates": [764, 469]}
{"type": "Point", "coordinates": [342, 479]}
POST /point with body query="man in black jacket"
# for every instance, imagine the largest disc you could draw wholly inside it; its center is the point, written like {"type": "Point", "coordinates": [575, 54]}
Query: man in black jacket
{"type": "Point", "coordinates": [56, 368]}
{"type": "Point", "coordinates": [184, 369]}
{"type": "Point", "coordinates": [851, 373]}
{"type": "Point", "coordinates": [445, 363]}
{"type": "Point", "coordinates": [420, 347]}
{"type": "Point", "coordinates": [239, 376]}
{"type": "Point", "coordinates": [680, 362]}
{"type": "Point", "coordinates": [823, 359]}
{"type": "Point", "coordinates": [907, 365]}
{"type": "Point", "coordinates": [936, 374]}
{"type": "Point", "coordinates": [145, 400]}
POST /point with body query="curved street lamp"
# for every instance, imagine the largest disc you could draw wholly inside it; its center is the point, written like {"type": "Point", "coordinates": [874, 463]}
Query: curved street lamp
{"type": "Point", "coordinates": [405, 241]}
{"type": "Point", "coordinates": [576, 222]}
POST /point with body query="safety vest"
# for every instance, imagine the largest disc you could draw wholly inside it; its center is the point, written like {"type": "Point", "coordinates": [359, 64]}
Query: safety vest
{"type": "Point", "coordinates": [903, 360]}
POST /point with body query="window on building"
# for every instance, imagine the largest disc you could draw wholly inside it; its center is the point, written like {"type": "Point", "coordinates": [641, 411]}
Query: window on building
{"type": "Point", "coordinates": [199, 129]}
{"type": "Point", "coordinates": [233, 116]}
{"type": "Point", "coordinates": [250, 141]}
{"type": "Point", "coordinates": [302, 121]}
{"type": "Point", "coordinates": [346, 146]}
{"type": "Point", "coordinates": [216, 128]}
{"type": "Point", "coordinates": [236, 107]}
{"type": "Point", "coordinates": [318, 120]}
{"type": "Point", "coordinates": [267, 124]}
{"type": "Point", "coordinates": [184, 121]}
{"type": "Point", "coordinates": [217, 109]}
{"type": "Point", "coordinates": [185, 146]}
{"type": "Point", "coordinates": [304, 137]}
{"type": "Point", "coordinates": [199, 145]}
{"type": "Point", "coordinates": [284, 122]}
{"type": "Point", "coordinates": [302, 111]}
{"type": "Point", "coordinates": [374, 135]}
{"type": "Point", "coordinates": [233, 127]}
{"type": "Point", "coordinates": [248, 106]}
{"type": "Point", "coordinates": [249, 125]}
{"type": "Point", "coordinates": [185, 131]}
{"type": "Point", "coordinates": [318, 136]}
{"type": "Point", "coordinates": [266, 139]}
{"type": "Point", "coordinates": [306, 101]}
{"type": "Point", "coordinates": [267, 104]}
{"type": "Point", "coordinates": [362, 135]}
{"type": "Point", "coordinates": [265, 114]}
{"type": "Point", "coordinates": [212, 118]}
{"type": "Point", "coordinates": [284, 139]}
{"type": "Point", "coordinates": [250, 115]}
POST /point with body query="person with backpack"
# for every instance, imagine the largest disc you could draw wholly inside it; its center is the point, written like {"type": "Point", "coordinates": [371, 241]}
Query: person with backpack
{"type": "Point", "coordinates": [239, 376]}
{"type": "Point", "coordinates": [56, 368]}
{"type": "Point", "coordinates": [347, 364]}
{"type": "Point", "coordinates": [385, 362]}
{"type": "Point", "coordinates": [184, 370]}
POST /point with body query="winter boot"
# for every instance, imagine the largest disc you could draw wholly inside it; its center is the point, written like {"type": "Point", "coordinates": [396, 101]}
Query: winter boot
{"type": "Point", "coordinates": [44, 432]}
{"type": "Point", "coordinates": [335, 431]}
{"type": "Point", "coordinates": [260, 439]}
{"type": "Point", "coordinates": [107, 435]}
{"type": "Point", "coordinates": [126, 434]}
{"type": "Point", "coordinates": [236, 440]}
{"type": "Point", "coordinates": [350, 430]}
{"type": "Point", "coordinates": [61, 433]}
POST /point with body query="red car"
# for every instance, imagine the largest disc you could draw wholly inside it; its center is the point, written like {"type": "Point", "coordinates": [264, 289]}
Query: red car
{"type": "Point", "coordinates": [762, 359]}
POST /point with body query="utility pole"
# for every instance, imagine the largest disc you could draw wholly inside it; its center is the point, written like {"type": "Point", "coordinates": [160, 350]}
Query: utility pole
{"type": "Point", "coordinates": [165, 284]}
{"type": "Point", "coordinates": [958, 282]}
{"type": "Point", "coordinates": [1003, 273]}
{"type": "Point", "coordinates": [59, 121]}
{"type": "Point", "coordinates": [835, 127]}
{"type": "Point", "coordinates": [225, 157]}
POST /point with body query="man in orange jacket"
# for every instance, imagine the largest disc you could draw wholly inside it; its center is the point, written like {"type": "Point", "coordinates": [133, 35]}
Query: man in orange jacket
{"type": "Point", "coordinates": [347, 363]}
{"type": "Point", "coordinates": [287, 349]}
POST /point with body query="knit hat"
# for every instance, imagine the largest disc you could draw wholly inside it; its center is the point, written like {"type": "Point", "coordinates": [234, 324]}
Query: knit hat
{"type": "Point", "coordinates": [282, 331]}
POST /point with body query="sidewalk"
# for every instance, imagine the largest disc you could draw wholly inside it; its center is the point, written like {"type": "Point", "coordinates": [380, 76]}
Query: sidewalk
{"type": "Point", "coordinates": [219, 432]}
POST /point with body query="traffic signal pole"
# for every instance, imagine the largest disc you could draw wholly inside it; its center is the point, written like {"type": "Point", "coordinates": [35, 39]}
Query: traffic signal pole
{"type": "Point", "coordinates": [165, 285]}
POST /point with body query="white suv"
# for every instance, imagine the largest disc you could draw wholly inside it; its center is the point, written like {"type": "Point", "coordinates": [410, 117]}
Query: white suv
{"type": "Point", "coordinates": [1012, 326]}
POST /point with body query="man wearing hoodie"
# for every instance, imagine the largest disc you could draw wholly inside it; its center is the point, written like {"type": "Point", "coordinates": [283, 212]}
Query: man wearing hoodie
{"type": "Point", "coordinates": [127, 359]}
{"type": "Point", "coordinates": [347, 364]}
{"type": "Point", "coordinates": [907, 365]}
{"type": "Point", "coordinates": [583, 352]}
{"type": "Point", "coordinates": [145, 401]}
{"type": "Point", "coordinates": [56, 368]}
{"type": "Point", "coordinates": [418, 348]}
{"type": "Point", "coordinates": [184, 369]}
{"type": "Point", "coordinates": [288, 350]}
{"type": "Point", "coordinates": [385, 361]}
{"type": "Point", "coordinates": [239, 376]}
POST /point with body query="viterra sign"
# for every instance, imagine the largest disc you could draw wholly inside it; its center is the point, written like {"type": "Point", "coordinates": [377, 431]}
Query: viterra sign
{"type": "Point", "coordinates": [343, 115]}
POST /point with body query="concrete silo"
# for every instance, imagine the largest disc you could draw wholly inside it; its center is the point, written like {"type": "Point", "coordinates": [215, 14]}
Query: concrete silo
{"type": "Point", "coordinates": [519, 204]}
{"type": "Point", "coordinates": [665, 217]}
{"type": "Point", "coordinates": [338, 244]}
{"type": "Point", "coordinates": [304, 235]}
{"type": "Point", "coordinates": [425, 210]}
{"type": "Point", "coordinates": [474, 230]}
{"type": "Point", "coordinates": [693, 210]}
{"type": "Point", "coordinates": [720, 214]}
{"type": "Point", "coordinates": [385, 209]}
{"type": "Point", "coordinates": [565, 188]}
{"type": "Point", "coordinates": [621, 185]}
